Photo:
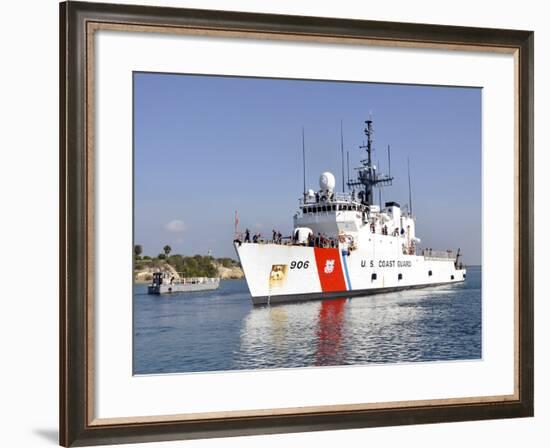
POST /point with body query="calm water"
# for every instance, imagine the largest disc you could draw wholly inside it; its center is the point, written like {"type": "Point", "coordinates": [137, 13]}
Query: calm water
{"type": "Point", "coordinates": [221, 330]}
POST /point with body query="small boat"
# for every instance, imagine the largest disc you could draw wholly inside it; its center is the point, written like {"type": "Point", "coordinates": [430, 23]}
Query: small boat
{"type": "Point", "coordinates": [165, 283]}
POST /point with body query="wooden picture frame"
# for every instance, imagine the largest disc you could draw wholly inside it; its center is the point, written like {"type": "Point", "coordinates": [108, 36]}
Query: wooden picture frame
{"type": "Point", "coordinates": [78, 22]}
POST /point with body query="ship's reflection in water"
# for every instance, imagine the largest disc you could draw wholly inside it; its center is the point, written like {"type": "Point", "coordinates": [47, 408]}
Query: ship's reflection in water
{"type": "Point", "coordinates": [419, 325]}
{"type": "Point", "coordinates": [221, 330]}
{"type": "Point", "coordinates": [294, 335]}
{"type": "Point", "coordinates": [330, 349]}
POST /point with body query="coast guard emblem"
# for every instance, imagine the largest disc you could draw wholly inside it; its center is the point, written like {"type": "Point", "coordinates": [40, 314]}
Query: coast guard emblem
{"type": "Point", "coordinates": [329, 269]}
{"type": "Point", "coordinates": [329, 266]}
{"type": "Point", "coordinates": [277, 275]}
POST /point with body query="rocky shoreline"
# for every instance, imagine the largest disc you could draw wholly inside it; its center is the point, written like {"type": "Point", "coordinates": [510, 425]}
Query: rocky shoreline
{"type": "Point", "coordinates": [144, 269]}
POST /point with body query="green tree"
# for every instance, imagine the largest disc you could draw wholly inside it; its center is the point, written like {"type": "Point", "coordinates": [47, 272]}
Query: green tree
{"type": "Point", "coordinates": [167, 249]}
{"type": "Point", "coordinates": [227, 262]}
{"type": "Point", "coordinates": [176, 261]}
{"type": "Point", "coordinates": [138, 249]}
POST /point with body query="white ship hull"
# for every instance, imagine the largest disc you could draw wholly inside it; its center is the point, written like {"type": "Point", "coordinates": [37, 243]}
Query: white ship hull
{"type": "Point", "coordinates": [281, 273]}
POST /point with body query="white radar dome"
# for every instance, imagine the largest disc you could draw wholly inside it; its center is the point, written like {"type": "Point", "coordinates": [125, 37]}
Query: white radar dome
{"type": "Point", "coordinates": [311, 193]}
{"type": "Point", "coordinates": [327, 181]}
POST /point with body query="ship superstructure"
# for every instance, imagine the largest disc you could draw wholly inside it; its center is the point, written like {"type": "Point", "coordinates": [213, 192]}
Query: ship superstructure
{"type": "Point", "coordinates": [345, 245]}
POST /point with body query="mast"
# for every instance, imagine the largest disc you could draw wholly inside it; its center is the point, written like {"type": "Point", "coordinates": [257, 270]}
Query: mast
{"type": "Point", "coordinates": [342, 151]}
{"type": "Point", "coordinates": [389, 162]}
{"type": "Point", "coordinates": [348, 165]}
{"type": "Point", "coordinates": [304, 159]}
{"type": "Point", "coordinates": [367, 176]}
{"type": "Point", "coordinates": [457, 257]}
{"type": "Point", "coordinates": [379, 189]}
{"type": "Point", "coordinates": [410, 194]}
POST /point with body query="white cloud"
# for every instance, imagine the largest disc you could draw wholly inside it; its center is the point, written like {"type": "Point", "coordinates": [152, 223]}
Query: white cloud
{"type": "Point", "coordinates": [176, 226]}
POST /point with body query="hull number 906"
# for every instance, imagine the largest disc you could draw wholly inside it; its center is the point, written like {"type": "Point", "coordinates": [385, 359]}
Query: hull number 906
{"type": "Point", "coordinates": [299, 264]}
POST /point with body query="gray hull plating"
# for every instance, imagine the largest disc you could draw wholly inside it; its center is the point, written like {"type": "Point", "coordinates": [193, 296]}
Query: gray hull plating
{"type": "Point", "coordinates": [273, 300]}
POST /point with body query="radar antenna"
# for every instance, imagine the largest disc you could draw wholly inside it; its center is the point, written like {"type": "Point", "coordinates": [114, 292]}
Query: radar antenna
{"type": "Point", "coordinates": [368, 178]}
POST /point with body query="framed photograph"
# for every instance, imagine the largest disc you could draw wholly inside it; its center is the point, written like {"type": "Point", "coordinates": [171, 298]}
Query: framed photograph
{"type": "Point", "coordinates": [278, 224]}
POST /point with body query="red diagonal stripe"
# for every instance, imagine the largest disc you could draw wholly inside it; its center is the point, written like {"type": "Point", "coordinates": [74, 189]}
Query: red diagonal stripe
{"type": "Point", "coordinates": [330, 270]}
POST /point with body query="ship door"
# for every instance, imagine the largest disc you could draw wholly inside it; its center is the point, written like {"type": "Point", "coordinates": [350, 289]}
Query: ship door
{"type": "Point", "coordinates": [157, 278]}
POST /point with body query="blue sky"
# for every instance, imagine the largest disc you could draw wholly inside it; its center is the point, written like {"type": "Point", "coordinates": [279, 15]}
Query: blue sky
{"type": "Point", "coordinates": [205, 146]}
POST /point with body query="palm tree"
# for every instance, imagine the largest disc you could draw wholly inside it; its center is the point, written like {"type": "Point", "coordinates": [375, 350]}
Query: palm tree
{"type": "Point", "coordinates": [167, 249]}
{"type": "Point", "coordinates": [138, 249]}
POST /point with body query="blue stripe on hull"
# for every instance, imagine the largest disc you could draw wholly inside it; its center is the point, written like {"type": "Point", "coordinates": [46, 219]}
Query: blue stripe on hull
{"type": "Point", "coordinates": [345, 263]}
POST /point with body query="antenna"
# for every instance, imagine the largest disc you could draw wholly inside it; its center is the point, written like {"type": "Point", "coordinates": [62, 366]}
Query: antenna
{"type": "Point", "coordinates": [342, 151]}
{"type": "Point", "coordinates": [389, 162]}
{"type": "Point", "coordinates": [348, 166]}
{"type": "Point", "coordinates": [380, 186]}
{"type": "Point", "coordinates": [410, 194]}
{"type": "Point", "coordinates": [304, 158]}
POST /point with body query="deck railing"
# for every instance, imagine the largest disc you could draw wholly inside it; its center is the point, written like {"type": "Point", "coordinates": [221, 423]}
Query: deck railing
{"type": "Point", "coordinates": [439, 254]}
{"type": "Point", "coordinates": [201, 280]}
